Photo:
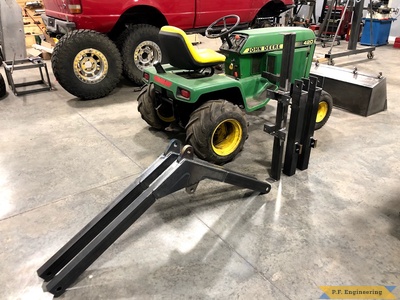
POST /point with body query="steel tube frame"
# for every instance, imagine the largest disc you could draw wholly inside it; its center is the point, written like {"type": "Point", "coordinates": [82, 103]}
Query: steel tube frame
{"type": "Point", "coordinates": [307, 133]}
{"type": "Point", "coordinates": [283, 97]}
{"type": "Point", "coordinates": [355, 33]}
{"type": "Point", "coordinates": [294, 146]}
{"type": "Point", "coordinates": [99, 223]}
{"type": "Point", "coordinates": [169, 173]}
{"type": "Point", "coordinates": [21, 64]}
{"type": "Point", "coordinates": [304, 106]}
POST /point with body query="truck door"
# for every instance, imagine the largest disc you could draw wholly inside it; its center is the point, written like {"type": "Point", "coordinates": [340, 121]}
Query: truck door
{"type": "Point", "coordinates": [208, 11]}
{"type": "Point", "coordinates": [177, 12]}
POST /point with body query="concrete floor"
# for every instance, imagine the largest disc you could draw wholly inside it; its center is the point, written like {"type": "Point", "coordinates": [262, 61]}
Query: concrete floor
{"type": "Point", "coordinates": [63, 160]}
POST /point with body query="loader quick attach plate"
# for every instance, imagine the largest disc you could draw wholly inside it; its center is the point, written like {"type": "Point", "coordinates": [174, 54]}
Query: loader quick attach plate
{"type": "Point", "coordinates": [171, 171]}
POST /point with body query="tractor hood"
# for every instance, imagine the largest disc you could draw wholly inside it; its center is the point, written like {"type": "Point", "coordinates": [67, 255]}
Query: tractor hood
{"type": "Point", "coordinates": [266, 39]}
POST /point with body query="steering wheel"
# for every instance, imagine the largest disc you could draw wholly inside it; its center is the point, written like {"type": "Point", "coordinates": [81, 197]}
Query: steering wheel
{"type": "Point", "coordinates": [222, 33]}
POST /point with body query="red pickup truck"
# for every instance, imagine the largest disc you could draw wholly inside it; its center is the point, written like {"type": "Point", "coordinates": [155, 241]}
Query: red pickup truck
{"type": "Point", "coordinates": [102, 38]}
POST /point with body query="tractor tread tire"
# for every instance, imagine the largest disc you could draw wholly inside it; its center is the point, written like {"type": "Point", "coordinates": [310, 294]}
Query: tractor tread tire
{"type": "Point", "coordinates": [203, 122]}
{"type": "Point", "coordinates": [63, 57]}
{"type": "Point", "coordinates": [147, 110]}
{"type": "Point", "coordinates": [132, 36]}
{"type": "Point", "coordinates": [328, 99]}
{"type": "Point", "coordinates": [3, 90]}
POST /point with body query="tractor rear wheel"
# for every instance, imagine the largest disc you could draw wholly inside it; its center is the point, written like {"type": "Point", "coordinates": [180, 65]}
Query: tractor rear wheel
{"type": "Point", "coordinates": [157, 116]}
{"type": "Point", "coordinates": [324, 110]}
{"type": "Point", "coordinates": [3, 90]}
{"type": "Point", "coordinates": [217, 131]}
{"type": "Point", "coordinates": [87, 64]}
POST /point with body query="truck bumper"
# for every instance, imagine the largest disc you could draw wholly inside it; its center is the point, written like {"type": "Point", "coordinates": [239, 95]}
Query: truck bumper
{"type": "Point", "coordinates": [58, 26]}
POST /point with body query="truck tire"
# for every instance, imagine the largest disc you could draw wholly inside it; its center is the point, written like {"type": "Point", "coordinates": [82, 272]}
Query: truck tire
{"type": "Point", "coordinates": [87, 64]}
{"type": "Point", "coordinates": [324, 110]}
{"type": "Point", "coordinates": [140, 48]}
{"type": "Point", "coordinates": [3, 90]}
{"type": "Point", "coordinates": [157, 116]}
{"type": "Point", "coordinates": [217, 131]}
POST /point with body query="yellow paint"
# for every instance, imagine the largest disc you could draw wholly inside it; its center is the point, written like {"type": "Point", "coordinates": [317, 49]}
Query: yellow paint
{"type": "Point", "coordinates": [265, 48]}
{"type": "Point", "coordinates": [322, 111]}
{"type": "Point", "coordinates": [357, 292]}
{"type": "Point", "coordinates": [226, 137]}
{"type": "Point", "coordinates": [202, 56]}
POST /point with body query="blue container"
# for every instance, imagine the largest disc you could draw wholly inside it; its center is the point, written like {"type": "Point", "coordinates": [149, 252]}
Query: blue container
{"type": "Point", "coordinates": [380, 32]}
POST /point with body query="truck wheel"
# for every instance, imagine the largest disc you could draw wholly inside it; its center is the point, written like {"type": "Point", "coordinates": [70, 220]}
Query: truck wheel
{"type": "Point", "coordinates": [217, 131]}
{"type": "Point", "coordinates": [157, 116]}
{"type": "Point", "coordinates": [87, 64]}
{"type": "Point", "coordinates": [3, 90]}
{"type": "Point", "coordinates": [324, 109]}
{"type": "Point", "coordinates": [140, 49]}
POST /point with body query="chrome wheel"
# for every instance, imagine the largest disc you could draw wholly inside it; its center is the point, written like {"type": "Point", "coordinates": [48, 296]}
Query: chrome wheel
{"type": "Point", "coordinates": [90, 66]}
{"type": "Point", "coordinates": [146, 53]}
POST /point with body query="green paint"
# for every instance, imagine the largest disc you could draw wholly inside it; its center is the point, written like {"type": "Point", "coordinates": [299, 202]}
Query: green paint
{"type": "Point", "coordinates": [260, 50]}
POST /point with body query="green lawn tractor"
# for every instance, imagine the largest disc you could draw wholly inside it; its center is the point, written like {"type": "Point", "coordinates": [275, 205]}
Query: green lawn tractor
{"type": "Point", "coordinates": [188, 93]}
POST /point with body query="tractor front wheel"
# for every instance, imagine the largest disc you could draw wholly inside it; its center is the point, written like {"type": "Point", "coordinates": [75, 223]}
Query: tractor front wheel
{"type": "Point", "coordinates": [217, 131]}
{"type": "Point", "coordinates": [157, 116]}
{"type": "Point", "coordinates": [324, 110]}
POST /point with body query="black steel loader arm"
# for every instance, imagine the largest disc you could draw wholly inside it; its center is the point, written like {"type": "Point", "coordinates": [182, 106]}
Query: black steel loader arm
{"type": "Point", "coordinates": [169, 173]}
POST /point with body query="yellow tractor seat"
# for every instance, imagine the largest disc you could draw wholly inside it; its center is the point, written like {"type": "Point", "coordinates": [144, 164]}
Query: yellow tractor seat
{"type": "Point", "coordinates": [181, 54]}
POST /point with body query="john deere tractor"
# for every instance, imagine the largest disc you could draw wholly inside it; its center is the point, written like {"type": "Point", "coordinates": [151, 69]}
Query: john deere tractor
{"type": "Point", "coordinates": [188, 93]}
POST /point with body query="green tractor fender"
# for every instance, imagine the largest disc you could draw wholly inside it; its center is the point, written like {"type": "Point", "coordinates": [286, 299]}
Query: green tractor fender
{"type": "Point", "coordinates": [247, 93]}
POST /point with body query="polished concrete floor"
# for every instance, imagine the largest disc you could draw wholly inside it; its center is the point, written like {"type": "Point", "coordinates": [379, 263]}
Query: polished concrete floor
{"type": "Point", "coordinates": [63, 160]}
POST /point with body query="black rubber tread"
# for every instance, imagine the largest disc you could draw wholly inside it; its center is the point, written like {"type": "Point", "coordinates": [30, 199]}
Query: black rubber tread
{"type": "Point", "coordinates": [119, 41]}
{"type": "Point", "coordinates": [203, 122]}
{"type": "Point", "coordinates": [130, 39]}
{"type": "Point", "coordinates": [147, 109]}
{"type": "Point", "coordinates": [64, 54]}
{"type": "Point", "coordinates": [325, 97]}
{"type": "Point", "coordinates": [3, 89]}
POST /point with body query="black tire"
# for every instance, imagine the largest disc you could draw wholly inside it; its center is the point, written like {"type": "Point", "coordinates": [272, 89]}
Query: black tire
{"type": "Point", "coordinates": [140, 49]}
{"type": "Point", "coordinates": [3, 90]}
{"type": "Point", "coordinates": [324, 110]}
{"type": "Point", "coordinates": [217, 131]}
{"type": "Point", "coordinates": [103, 68]}
{"type": "Point", "coordinates": [157, 116]}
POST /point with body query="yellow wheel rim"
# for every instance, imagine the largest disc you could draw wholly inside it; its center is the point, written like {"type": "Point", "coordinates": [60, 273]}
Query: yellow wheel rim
{"type": "Point", "coordinates": [226, 137]}
{"type": "Point", "coordinates": [165, 114]}
{"type": "Point", "coordinates": [166, 119]}
{"type": "Point", "coordinates": [322, 111]}
{"type": "Point", "coordinates": [90, 66]}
